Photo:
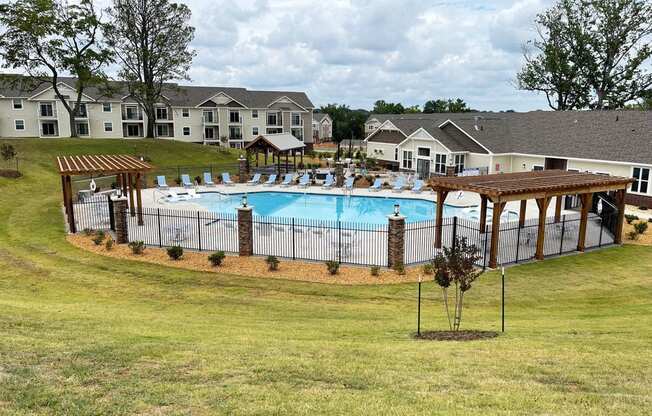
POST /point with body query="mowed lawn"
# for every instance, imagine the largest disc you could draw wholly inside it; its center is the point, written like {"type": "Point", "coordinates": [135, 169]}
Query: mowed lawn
{"type": "Point", "coordinates": [82, 334]}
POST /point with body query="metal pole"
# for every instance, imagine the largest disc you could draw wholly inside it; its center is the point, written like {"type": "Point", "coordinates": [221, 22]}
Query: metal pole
{"type": "Point", "coordinates": [158, 217]}
{"type": "Point", "coordinates": [293, 245]}
{"type": "Point", "coordinates": [454, 242]}
{"type": "Point", "coordinates": [199, 230]}
{"type": "Point", "coordinates": [502, 302]}
{"type": "Point", "coordinates": [561, 239]}
{"type": "Point", "coordinates": [419, 309]}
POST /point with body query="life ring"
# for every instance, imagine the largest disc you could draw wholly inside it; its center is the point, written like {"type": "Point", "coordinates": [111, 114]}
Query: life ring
{"type": "Point", "coordinates": [93, 186]}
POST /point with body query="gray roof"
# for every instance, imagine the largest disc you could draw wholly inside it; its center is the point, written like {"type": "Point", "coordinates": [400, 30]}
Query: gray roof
{"type": "Point", "coordinates": [388, 136]}
{"type": "Point", "coordinates": [178, 95]}
{"type": "Point", "coordinates": [622, 136]}
{"type": "Point", "coordinates": [281, 141]}
{"type": "Point", "coordinates": [319, 117]}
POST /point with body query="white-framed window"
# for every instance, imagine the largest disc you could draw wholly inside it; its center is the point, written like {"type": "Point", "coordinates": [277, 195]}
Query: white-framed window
{"type": "Point", "coordinates": [209, 116]}
{"type": "Point", "coordinates": [296, 119]}
{"type": "Point", "coordinates": [234, 116]}
{"type": "Point", "coordinates": [407, 159]}
{"type": "Point", "coordinates": [423, 151]}
{"type": "Point", "coordinates": [459, 163]}
{"type": "Point", "coordinates": [82, 129]}
{"type": "Point", "coordinates": [19, 124]}
{"type": "Point", "coordinates": [162, 130]}
{"type": "Point", "coordinates": [186, 131]}
{"type": "Point", "coordinates": [641, 180]}
{"type": "Point", "coordinates": [537, 167]}
{"type": "Point", "coordinates": [254, 131]}
{"type": "Point", "coordinates": [185, 112]}
{"type": "Point", "coordinates": [81, 112]}
{"type": "Point", "coordinates": [254, 113]}
{"type": "Point", "coordinates": [440, 163]}
{"type": "Point", "coordinates": [235, 133]}
{"type": "Point", "coordinates": [48, 129]}
{"type": "Point", "coordinates": [161, 113]}
{"type": "Point", "coordinates": [273, 119]}
{"type": "Point", "coordinates": [106, 107]}
{"type": "Point", "coordinates": [108, 126]}
{"type": "Point", "coordinates": [17, 104]}
{"type": "Point", "coordinates": [46, 110]}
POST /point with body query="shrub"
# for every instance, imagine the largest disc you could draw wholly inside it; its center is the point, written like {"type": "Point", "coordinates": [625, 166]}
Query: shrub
{"type": "Point", "coordinates": [7, 152]}
{"type": "Point", "coordinates": [640, 227]}
{"type": "Point", "coordinates": [109, 244]}
{"type": "Point", "coordinates": [399, 268]}
{"type": "Point", "coordinates": [88, 232]}
{"type": "Point", "coordinates": [428, 268]}
{"type": "Point", "coordinates": [333, 267]}
{"type": "Point", "coordinates": [175, 252]}
{"type": "Point", "coordinates": [375, 271]}
{"type": "Point", "coordinates": [272, 263]}
{"type": "Point", "coordinates": [99, 237]}
{"type": "Point", "coordinates": [217, 258]}
{"type": "Point", "coordinates": [630, 218]}
{"type": "Point", "coordinates": [137, 247]}
{"type": "Point", "coordinates": [632, 235]}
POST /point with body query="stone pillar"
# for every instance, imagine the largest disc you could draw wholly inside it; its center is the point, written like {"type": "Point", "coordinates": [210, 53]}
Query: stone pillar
{"type": "Point", "coordinates": [396, 240]}
{"type": "Point", "coordinates": [339, 174]}
{"type": "Point", "coordinates": [243, 171]}
{"type": "Point", "coordinates": [120, 219]}
{"type": "Point", "coordinates": [450, 170]}
{"type": "Point", "coordinates": [245, 231]}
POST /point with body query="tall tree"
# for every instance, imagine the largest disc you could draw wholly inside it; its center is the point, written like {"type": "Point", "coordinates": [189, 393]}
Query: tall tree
{"type": "Point", "coordinates": [446, 106]}
{"type": "Point", "coordinates": [383, 107]}
{"type": "Point", "coordinates": [151, 40]}
{"type": "Point", "coordinates": [46, 38]}
{"type": "Point", "coordinates": [347, 123]}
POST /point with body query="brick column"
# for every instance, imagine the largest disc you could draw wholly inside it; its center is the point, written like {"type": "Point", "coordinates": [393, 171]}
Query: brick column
{"type": "Point", "coordinates": [245, 231]}
{"type": "Point", "coordinates": [120, 219]}
{"type": "Point", "coordinates": [450, 170]}
{"type": "Point", "coordinates": [339, 174]}
{"type": "Point", "coordinates": [243, 169]}
{"type": "Point", "coordinates": [396, 240]}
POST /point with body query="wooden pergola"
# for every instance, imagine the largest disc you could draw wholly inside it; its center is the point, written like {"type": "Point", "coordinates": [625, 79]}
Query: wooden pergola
{"type": "Point", "coordinates": [127, 169]}
{"type": "Point", "coordinates": [278, 145]}
{"type": "Point", "coordinates": [541, 186]}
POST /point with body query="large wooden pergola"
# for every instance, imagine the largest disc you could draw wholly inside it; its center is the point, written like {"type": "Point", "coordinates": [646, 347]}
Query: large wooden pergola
{"type": "Point", "coordinates": [277, 145]}
{"type": "Point", "coordinates": [541, 186]}
{"type": "Point", "coordinates": [127, 169]}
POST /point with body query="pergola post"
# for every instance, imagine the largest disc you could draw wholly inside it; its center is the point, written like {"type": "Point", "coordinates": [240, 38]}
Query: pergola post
{"type": "Point", "coordinates": [620, 204]}
{"type": "Point", "coordinates": [585, 199]}
{"type": "Point", "coordinates": [521, 213]}
{"type": "Point", "coordinates": [71, 211]}
{"type": "Point", "coordinates": [439, 217]}
{"type": "Point", "coordinates": [123, 181]}
{"type": "Point", "coordinates": [542, 203]}
{"type": "Point", "coordinates": [294, 158]}
{"type": "Point", "coordinates": [287, 163]}
{"type": "Point", "coordinates": [278, 164]}
{"type": "Point", "coordinates": [64, 192]}
{"type": "Point", "coordinates": [495, 233]}
{"type": "Point", "coordinates": [139, 200]}
{"type": "Point", "coordinates": [558, 203]}
{"type": "Point", "coordinates": [483, 213]}
{"type": "Point", "coordinates": [132, 208]}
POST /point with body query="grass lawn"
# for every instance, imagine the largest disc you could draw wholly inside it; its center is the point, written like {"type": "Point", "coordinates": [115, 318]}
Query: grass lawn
{"type": "Point", "coordinates": [85, 335]}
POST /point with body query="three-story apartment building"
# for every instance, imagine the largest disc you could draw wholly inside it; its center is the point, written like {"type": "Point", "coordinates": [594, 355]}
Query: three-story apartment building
{"type": "Point", "coordinates": [224, 116]}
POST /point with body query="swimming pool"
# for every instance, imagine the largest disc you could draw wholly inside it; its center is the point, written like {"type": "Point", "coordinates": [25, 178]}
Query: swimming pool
{"type": "Point", "coordinates": [367, 209]}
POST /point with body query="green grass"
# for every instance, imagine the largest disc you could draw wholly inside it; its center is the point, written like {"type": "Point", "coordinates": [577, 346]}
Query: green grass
{"type": "Point", "coordinates": [88, 335]}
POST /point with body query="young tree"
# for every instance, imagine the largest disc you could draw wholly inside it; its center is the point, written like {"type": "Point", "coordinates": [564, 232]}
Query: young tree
{"type": "Point", "coordinates": [151, 40]}
{"type": "Point", "coordinates": [456, 266]}
{"type": "Point", "coordinates": [45, 38]}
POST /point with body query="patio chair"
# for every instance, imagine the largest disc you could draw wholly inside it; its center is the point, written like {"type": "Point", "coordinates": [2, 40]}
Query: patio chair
{"type": "Point", "coordinates": [287, 180]}
{"type": "Point", "coordinates": [399, 184]}
{"type": "Point", "coordinates": [348, 183]}
{"type": "Point", "coordinates": [185, 180]}
{"type": "Point", "coordinates": [226, 179]}
{"type": "Point", "coordinates": [377, 186]}
{"type": "Point", "coordinates": [329, 182]}
{"type": "Point", "coordinates": [304, 181]}
{"type": "Point", "coordinates": [271, 180]}
{"type": "Point", "coordinates": [418, 184]}
{"type": "Point", "coordinates": [161, 183]}
{"type": "Point", "coordinates": [255, 180]}
{"type": "Point", "coordinates": [208, 179]}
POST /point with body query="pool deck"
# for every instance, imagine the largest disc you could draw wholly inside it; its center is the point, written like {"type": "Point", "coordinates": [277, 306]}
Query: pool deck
{"type": "Point", "coordinates": [155, 198]}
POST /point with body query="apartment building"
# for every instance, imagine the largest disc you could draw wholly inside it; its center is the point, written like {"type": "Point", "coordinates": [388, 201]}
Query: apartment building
{"type": "Point", "coordinates": [224, 116]}
{"type": "Point", "coordinates": [322, 127]}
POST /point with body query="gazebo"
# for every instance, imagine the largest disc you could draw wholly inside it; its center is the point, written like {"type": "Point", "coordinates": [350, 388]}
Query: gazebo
{"type": "Point", "coordinates": [541, 186]}
{"type": "Point", "coordinates": [277, 144]}
{"type": "Point", "coordinates": [127, 169]}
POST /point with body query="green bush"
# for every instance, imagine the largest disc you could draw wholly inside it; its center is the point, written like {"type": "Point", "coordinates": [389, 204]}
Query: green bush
{"type": "Point", "coordinates": [333, 267]}
{"type": "Point", "coordinates": [632, 235]}
{"type": "Point", "coordinates": [399, 268]}
{"type": "Point", "coordinates": [217, 258]}
{"type": "Point", "coordinates": [630, 218]}
{"type": "Point", "coordinates": [88, 232]}
{"type": "Point", "coordinates": [137, 247]}
{"type": "Point", "coordinates": [272, 263]}
{"type": "Point", "coordinates": [428, 268]}
{"type": "Point", "coordinates": [375, 271]}
{"type": "Point", "coordinates": [175, 252]}
{"type": "Point", "coordinates": [99, 237]}
{"type": "Point", "coordinates": [109, 244]}
{"type": "Point", "coordinates": [640, 227]}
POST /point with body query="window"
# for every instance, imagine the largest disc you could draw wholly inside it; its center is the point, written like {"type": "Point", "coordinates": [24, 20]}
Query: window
{"type": "Point", "coordinates": [209, 133]}
{"type": "Point", "coordinates": [19, 124]}
{"type": "Point", "coordinates": [186, 131]}
{"type": "Point", "coordinates": [185, 112]}
{"type": "Point", "coordinates": [48, 129]}
{"type": "Point", "coordinates": [407, 159]}
{"type": "Point", "coordinates": [18, 104]}
{"type": "Point", "coordinates": [440, 164]}
{"type": "Point", "coordinates": [234, 116]}
{"type": "Point", "coordinates": [235, 133]}
{"type": "Point", "coordinates": [298, 133]}
{"type": "Point", "coordinates": [641, 180]}
{"type": "Point", "coordinates": [274, 130]}
{"type": "Point", "coordinates": [108, 126]}
{"type": "Point", "coordinates": [133, 130]}
{"type": "Point", "coordinates": [161, 113]}
{"type": "Point", "coordinates": [254, 131]}
{"type": "Point", "coordinates": [273, 119]}
{"type": "Point", "coordinates": [254, 113]}
{"type": "Point", "coordinates": [423, 151]}
{"type": "Point", "coordinates": [459, 164]}
{"type": "Point", "coordinates": [82, 129]}
{"type": "Point", "coordinates": [82, 109]}
{"type": "Point", "coordinates": [162, 130]}
{"type": "Point", "coordinates": [46, 110]}
{"type": "Point", "coordinates": [296, 119]}
{"type": "Point", "coordinates": [106, 107]}
{"type": "Point", "coordinates": [396, 154]}
{"type": "Point", "coordinates": [209, 116]}
{"type": "Point", "coordinates": [131, 113]}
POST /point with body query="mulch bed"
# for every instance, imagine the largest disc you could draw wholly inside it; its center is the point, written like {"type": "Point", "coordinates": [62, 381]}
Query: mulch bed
{"type": "Point", "coordinates": [470, 335]}
{"type": "Point", "coordinates": [643, 239]}
{"type": "Point", "coordinates": [12, 174]}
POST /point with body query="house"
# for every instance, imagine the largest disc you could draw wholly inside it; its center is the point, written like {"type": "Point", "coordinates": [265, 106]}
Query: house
{"type": "Point", "coordinates": [211, 115]}
{"type": "Point", "coordinates": [605, 142]}
{"type": "Point", "coordinates": [322, 127]}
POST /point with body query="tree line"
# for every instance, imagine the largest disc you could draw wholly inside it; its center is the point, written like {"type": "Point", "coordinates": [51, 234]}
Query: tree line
{"type": "Point", "coordinates": [449, 105]}
{"type": "Point", "coordinates": [147, 39]}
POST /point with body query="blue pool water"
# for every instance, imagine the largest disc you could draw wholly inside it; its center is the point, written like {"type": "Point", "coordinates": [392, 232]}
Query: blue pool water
{"type": "Point", "coordinates": [371, 210]}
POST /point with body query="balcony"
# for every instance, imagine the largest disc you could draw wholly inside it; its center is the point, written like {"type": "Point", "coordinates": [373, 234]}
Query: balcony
{"type": "Point", "coordinates": [275, 121]}
{"type": "Point", "coordinates": [235, 138]}
{"type": "Point", "coordinates": [132, 114]}
{"type": "Point", "coordinates": [209, 117]}
{"type": "Point", "coordinates": [163, 114]}
{"type": "Point", "coordinates": [47, 111]}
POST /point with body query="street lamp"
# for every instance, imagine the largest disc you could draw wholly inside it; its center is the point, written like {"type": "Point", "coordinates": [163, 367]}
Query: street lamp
{"type": "Point", "coordinates": [396, 210]}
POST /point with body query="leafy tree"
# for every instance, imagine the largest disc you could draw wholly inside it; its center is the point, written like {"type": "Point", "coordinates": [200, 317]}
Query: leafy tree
{"type": "Point", "coordinates": [456, 266]}
{"type": "Point", "coordinates": [151, 40]}
{"type": "Point", "coordinates": [446, 106]}
{"type": "Point", "coordinates": [7, 152]}
{"type": "Point", "coordinates": [383, 107]}
{"type": "Point", "coordinates": [644, 103]}
{"type": "Point", "coordinates": [45, 38]}
{"type": "Point", "coordinates": [412, 109]}
{"type": "Point", "coordinates": [347, 123]}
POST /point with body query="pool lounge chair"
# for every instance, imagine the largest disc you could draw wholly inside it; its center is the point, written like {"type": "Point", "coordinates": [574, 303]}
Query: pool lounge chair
{"type": "Point", "coordinates": [185, 181]}
{"type": "Point", "coordinates": [161, 183]}
{"type": "Point", "coordinates": [399, 184]}
{"type": "Point", "coordinates": [348, 183]}
{"type": "Point", "coordinates": [172, 196]}
{"type": "Point", "coordinates": [271, 180]}
{"type": "Point", "coordinates": [418, 184]}
{"type": "Point", "coordinates": [304, 180]}
{"type": "Point", "coordinates": [208, 179]}
{"type": "Point", "coordinates": [287, 180]}
{"type": "Point", "coordinates": [377, 186]}
{"type": "Point", "coordinates": [255, 180]}
{"type": "Point", "coordinates": [192, 194]}
{"type": "Point", "coordinates": [226, 179]}
{"type": "Point", "coordinates": [329, 182]}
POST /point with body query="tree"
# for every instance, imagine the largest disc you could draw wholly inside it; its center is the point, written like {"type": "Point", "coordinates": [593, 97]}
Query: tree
{"type": "Point", "coordinates": [644, 103]}
{"type": "Point", "coordinates": [347, 123]}
{"type": "Point", "coordinates": [383, 107]}
{"type": "Point", "coordinates": [446, 106]}
{"type": "Point", "coordinates": [47, 37]}
{"type": "Point", "coordinates": [151, 40]}
{"type": "Point", "coordinates": [456, 266]}
{"type": "Point", "coordinates": [412, 109]}
{"type": "Point", "coordinates": [7, 152]}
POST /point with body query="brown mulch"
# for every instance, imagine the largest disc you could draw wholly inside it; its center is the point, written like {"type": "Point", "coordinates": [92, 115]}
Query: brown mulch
{"type": "Point", "coordinates": [643, 239]}
{"type": "Point", "coordinates": [8, 173]}
{"type": "Point", "coordinates": [470, 335]}
{"type": "Point", "coordinates": [253, 266]}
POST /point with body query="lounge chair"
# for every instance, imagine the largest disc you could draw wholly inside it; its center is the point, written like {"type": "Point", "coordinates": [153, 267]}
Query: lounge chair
{"type": "Point", "coordinates": [255, 180]}
{"type": "Point", "coordinates": [399, 184]}
{"type": "Point", "coordinates": [161, 183]}
{"type": "Point", "coordinates": [271, 180]}
{"type": "Point", "coordinates": [348, 183]}
{"type": "Point", "coordinates": [185, 181]}
{"type": "Point", "coordinates": [226, 179]}
{"type": "Point", "coordinates": [208, 179]}
{"type": "Point", "coordinates": [287, 180]}
{"type": "Point", "coordinates": [418, 184]}
{"type": "Point", "coordinates": [172, 196]}
{"type": "Point", "coordinates": [329, 182]}
{"type": "Point", "coordinates": [377, 186]}
{"type": "Point", "coordinates": [192, 194]}
{"type": "Point", "coordinates": [304, 180]}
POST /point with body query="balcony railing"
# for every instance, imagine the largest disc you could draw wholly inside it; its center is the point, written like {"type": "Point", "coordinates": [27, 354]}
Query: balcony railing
{"type": "Point", "coordinates": [235, 120]}
{"type": "Point", "coordinates": [278, 123]}
{"type": "Point", "coordinates": [235, 138]}
{"type": "Point", "coordinates": [47, 112]}
{"type": "Point", "coordinates": [210, 118]}
{"type": "Point", "coordinates": [132, 114]}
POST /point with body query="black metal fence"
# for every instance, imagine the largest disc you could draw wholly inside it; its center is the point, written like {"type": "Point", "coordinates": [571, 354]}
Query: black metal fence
{"type": "Point", "coordinates": [93, 212]}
